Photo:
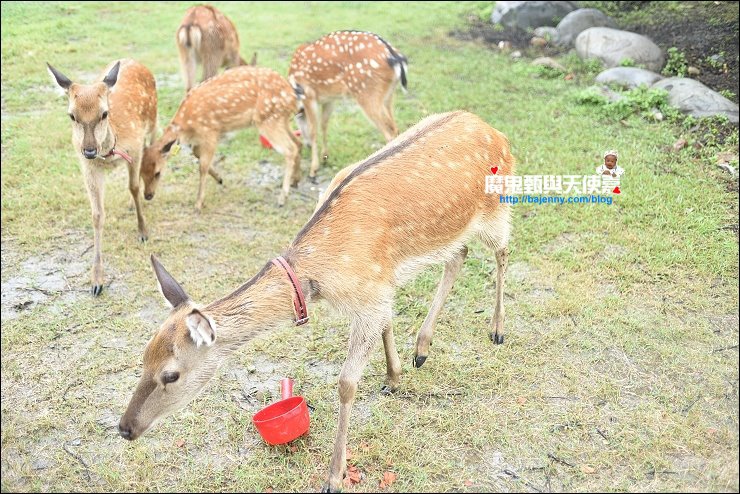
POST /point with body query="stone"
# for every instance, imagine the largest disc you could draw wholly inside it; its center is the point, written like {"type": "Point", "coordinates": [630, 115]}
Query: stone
{"type": "Point", "coordinates": [612, 46]}
{"type": "Point", "coordinates": [548, 62]}
{"type": "Point", "coordinates": [529, 15]}
{"type": "Point", "coordinates": [694, 98]}
{"type": "Point", "coordinates": [578, 21]}
{"type": "Point", "coordinates": [628, 77]}
{"type": "Point", "coordinates": [548, 32]}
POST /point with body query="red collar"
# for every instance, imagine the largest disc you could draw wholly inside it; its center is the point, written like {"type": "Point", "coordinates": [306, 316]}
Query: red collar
{"type": "Point", "coordinates": [122, 154]}
{"type": "Point", "coordinates": [299, 302]}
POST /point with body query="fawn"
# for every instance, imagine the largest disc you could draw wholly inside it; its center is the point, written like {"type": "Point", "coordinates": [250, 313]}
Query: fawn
{"type": "Point", "coordinates": [207, 36]}
{"type": "Point", "coordinates": [357, 64]}
{"type": "Point", "coordinates": [110, 121]}
{"type": "Point", "coordinates": [238, 98]}
{"type": "Point", "coordinates": [417, 201]}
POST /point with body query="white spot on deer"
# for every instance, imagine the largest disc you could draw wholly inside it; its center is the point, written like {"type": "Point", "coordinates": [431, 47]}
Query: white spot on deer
{"type": "Point", "coordinates": [346, 259]}
{"type": "Point", "coordinates": [377, 268]}
{"type": "Point", "coordinates": [374, 64]}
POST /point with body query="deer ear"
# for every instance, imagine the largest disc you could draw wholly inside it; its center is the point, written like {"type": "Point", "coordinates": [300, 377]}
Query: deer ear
{"type": "Point", "coordinates": [171, 289]}
{"type": "Point", "coordinates": [202, 328]}
{"type": "Point", "coordinates": [61, 80]}
{"type": "Point", "coordinates": [112, 77]}
{"type": "Point", "coordinates": [166, 148]}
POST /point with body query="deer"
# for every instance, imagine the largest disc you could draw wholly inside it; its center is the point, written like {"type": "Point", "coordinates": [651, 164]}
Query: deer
{"type": "Point", "coordinates": [111, 121]}
{"type": "Point", "coordinates": [238, 98]}
{"type": "Point", "coordinates": [359, 65]}
{"type": "Point", "coordinates": [418, 201]}
{"type": "Point", "coordinates": [207, 36]}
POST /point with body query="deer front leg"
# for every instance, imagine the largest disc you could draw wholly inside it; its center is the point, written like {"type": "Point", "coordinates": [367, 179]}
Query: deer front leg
{"type": "Point", "coordinates": [205, 158]}
{"type": "Point", "coordinates": [363, 338]}
{"type": "Point", "coordinates": [134, 184]}
{"type": "Point", "coordinates": [311, 109]}
{"type": "Point", "coordinates": [95, 183]}
{"type": "Point", "coordinates": [326, 109]}
{"type": "Point", "coordinates": [424, 338]}
{"type": "Point", "coordinates": [497, 322]}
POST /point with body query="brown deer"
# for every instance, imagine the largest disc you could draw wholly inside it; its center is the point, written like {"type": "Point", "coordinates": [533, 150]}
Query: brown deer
{"type": "Point", "coordinates": [417, 201]}
{"type": "Point", "coordinates": [238, 98]}
{"type": "Point", "coordinates": [110, 121]}
{"type": "Point", "coordinates": [354, 64]}
{"type": "Point", "coordinates": [207, 36]}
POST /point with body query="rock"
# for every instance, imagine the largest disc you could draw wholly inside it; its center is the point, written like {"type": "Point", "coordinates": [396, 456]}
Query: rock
{"type": "Point", "coordinates": [537, 41]}
{"type": "Point", "coordinates": [694, 98]}
{"type": "Point", "coordinates": [529, 15]}
{"type": "Point", "coordinates": [548, 62]}
{"type": "Point", "coordinates": [611, 46]}
{"type": "Point", "coordinates": [693, 70]}
{"type": "Point", "coordinates": [548, 32]}
{"type": "Point", "coordinates": [657, 116]}
{"type": "Point", "coordinates": [578, 21]}
{"type": "Point", "coordinates": [612, 96]}
{"type": "Point", "coordinates": [504, 45]}
{"type": "Point", "coordinates": [629, 77]}
{"type": "Point", "coordinates": [516, 54]}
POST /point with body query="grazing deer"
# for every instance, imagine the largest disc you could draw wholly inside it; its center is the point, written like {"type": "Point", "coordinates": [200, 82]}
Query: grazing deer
{"type": "Point", "coordinates": [357, 64]}
{"type": "Point", "coordinates": [207, 36]}
{"type": "Point", "coordinates": [110, 121]}
{"type": "Point", "coordinates": [238, 98]}
{"type": "Point", "coordinates": [417, 201]}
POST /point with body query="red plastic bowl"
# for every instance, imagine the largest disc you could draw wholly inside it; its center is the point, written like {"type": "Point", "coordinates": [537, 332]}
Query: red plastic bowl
{"type": "Point", "coordinates": [284, 420]}
{"type": "Point", "coordinates": [267, 144]}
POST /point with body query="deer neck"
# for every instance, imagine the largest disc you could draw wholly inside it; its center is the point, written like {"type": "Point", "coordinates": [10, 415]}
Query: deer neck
{"type": "Point", "coordinates": [263, 303]}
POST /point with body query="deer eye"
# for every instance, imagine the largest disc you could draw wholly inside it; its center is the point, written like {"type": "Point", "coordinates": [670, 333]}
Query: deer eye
{"type": "Point", "coordinates": [72, 117]}
{"type": "Point", "coordinates": [105, 115]}
{"type": "Point", "coordinates": [156, 175]}
{"type": "Point", "coordinates": [170, 377]}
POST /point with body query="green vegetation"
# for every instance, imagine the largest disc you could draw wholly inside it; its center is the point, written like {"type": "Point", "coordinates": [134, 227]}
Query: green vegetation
{"type": "Point", "coordinates": [675, 64]}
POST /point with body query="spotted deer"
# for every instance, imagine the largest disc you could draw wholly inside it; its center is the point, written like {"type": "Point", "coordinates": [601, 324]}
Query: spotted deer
{"type": "Point", "coordinates": [208, 37]}
{"type": "Point", "coordinates": [418, 201]}
{"type": "Point", "coordinates": [111, 119]}
{"type": "Point", "coordinates": [238, 98]}
{"type": "Point", "coordinates": [354, 64]}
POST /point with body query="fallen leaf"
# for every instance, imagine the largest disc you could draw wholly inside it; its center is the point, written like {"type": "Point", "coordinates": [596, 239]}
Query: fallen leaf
{"type": "Point", "coordinates": [711, 431]}
{"type": "Point", "coordinates": [269, 489]}
{"type": "Point", "coordinates": [354, 476]}
{"type": "Point", "coordinates": [388, 479]}
{"type": "Point", "coordinates": [587, 469]}
{"type": "Point", "coordinates": [569, 77]}
{"type": "Point", "coordinates": [468, 483]}
{"type": "Point", "coordinates": [679, 144]}
{"type": "Point", "coordinates": [521, 400]}
{"type": "Point", "coordinates": [180, 443]}
{"type": "Point", "coordinates": [293, 449]}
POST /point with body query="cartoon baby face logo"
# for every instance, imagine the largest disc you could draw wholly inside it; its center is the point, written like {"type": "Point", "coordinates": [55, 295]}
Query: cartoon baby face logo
{"type": "Point", "coordinates": [611, 169]}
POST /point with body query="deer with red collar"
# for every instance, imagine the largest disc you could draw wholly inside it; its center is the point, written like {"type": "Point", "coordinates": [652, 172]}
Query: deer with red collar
{"type": "Point", "coordinates": [420, 200]}
{"type": "Point", "coordinates": [111, 119]}
{"type": "Point", "coordinates": [359, 65]}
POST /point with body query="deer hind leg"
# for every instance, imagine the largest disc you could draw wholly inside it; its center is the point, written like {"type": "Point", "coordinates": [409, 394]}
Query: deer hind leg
{"type": "Point", "coordinates": [497, 237]}
{"type": "Point", "coordinates": [95, 185]}
{"type": "Point", "coordinates": [373, 104]}
{"type": "Point", "coordinates": [187, 66]}
{"type": "Point", "coordinates": [283, 141]}
{"type": "Point", "coordinates": [326, 109]}
{"type": "Point", "coordinates": [392, 362]}
{"type": "Point", "coordinates": [211, 63]}
{"type": "Point", "coordinates": [311, 111]}
{"type": "Point", "coordinates": [134, 186]}
{"type": "Point", "coordinates": [424, 338]}
{"type": "Point", "coordinates": [365, 334]}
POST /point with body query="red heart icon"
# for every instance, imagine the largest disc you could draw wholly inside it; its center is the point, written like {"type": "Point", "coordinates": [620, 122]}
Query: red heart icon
{"type": "Point", "coordinates": [616, 190]}
{"type": "Point", "coordinates": [494, 169]}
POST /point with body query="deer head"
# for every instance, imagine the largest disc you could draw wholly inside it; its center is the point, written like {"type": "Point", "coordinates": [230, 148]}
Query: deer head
{"type": "Point", "coordinates": [179, 361]}
{"type": "Point", "coordinates": [154, 161]}
{"type": "Point", "coordinates": [88, 110]}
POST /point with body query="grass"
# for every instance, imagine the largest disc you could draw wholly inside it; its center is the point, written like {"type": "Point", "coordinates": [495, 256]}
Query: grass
{"type": "Point", "coordinates": [619, 370]}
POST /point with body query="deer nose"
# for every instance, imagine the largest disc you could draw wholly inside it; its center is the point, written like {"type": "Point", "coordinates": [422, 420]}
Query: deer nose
{"type": "Point", "coordinates": [125, 431]}
{"type": "Point", "coordinates": [148, 196]}
{"type": "Point", "coordinates": [90, 153]}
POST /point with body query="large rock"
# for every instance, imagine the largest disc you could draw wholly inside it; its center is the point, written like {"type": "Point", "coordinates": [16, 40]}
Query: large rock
{"type": "Point", "coordinates": [548, 32]}
{"type": "Point", "coordinates": [529, 15]}
{"type": "Point", "coordinates": [611, 46]}
{"type": "Point", "coordinates": [629, 77]}
{"type": "Point", "coordinates": [693, 97]}
{"type": "Point", "coordinates": [578, 21]}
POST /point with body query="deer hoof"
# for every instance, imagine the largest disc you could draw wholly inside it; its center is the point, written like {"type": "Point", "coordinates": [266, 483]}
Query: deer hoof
{"type": "Point", "coordinates": [497, 339]}
{"type": "Point", "coordinates": [143, 237]}
{"type": "Point", "coordinates": [419, 361]}
{"type": "Point", "coordinates": [327, 488]}
{"type": "Point", "coordinates": [96, 290]}
{"type": "Point", "coordinates": [314, 179]}
{"type": "Point", "coordinates": [387, 390]}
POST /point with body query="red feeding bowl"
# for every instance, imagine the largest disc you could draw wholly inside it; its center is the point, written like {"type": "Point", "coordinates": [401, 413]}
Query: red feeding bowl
{"type": "Point", "coordinates": [267, 144]}
{"type": "Point", "coordinates": [285, 420]}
